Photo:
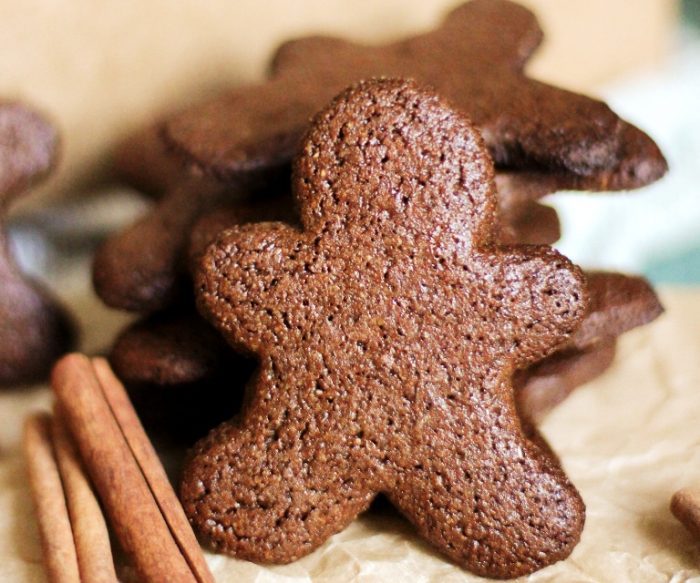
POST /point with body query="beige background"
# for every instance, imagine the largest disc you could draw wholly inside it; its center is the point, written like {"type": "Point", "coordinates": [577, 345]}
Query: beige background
{"type": "Point", "coordinates": [102, 68]}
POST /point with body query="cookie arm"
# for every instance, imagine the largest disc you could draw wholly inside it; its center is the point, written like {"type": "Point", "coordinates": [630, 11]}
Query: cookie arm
{"type": "Point", "coordinates": [246, 280]}
{"type": "Point", "coordinates": [247, 134]}
{"type": "Point", "coordinates": [543, 302]}
{"type": "Point", "coordinates": [139, 268]}
{"type": "Point", "coordinates": [640, 162]}
{"type": "Point", "coordinates": [618, 303]}
{"type": "Point", "coordinates": [552, 127]}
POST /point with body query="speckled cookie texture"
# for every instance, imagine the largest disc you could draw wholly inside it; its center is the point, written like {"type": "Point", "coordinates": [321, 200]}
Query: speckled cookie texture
{"type": "Point", "coordinates": [184, 379]}
{"type": "Point", "coordinates": [387, 329]}
{"type": "Point", "coordinates": [34, 328]}
{"type": "Point", "coordinates": [167, 357]}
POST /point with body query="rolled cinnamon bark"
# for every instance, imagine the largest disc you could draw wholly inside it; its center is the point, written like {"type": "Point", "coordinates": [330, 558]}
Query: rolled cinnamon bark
{"type": "Point", "coordinates": [118, 479]}
{"type": "Point", "coordinates": [58, 545]}
{"type": "Point", "coordinates": [152, 469]}
{"type": "Point", "coordinates": [95, 560]}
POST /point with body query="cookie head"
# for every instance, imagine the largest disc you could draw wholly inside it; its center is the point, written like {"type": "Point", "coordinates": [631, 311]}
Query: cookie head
{"type": "Point", "coordinates": [387, 329]}
{"type": "Point", "coordinates": [357, 181]}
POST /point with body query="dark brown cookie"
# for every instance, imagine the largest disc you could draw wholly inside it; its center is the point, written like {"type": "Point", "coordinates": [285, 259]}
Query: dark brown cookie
{"type": "Point", "coordinates": [640, 163]}
{"type": "Point", "coordinates": [169, 348]}
{"type": "Point", "coordinates": [127, 278]}
{"type": "Point", "coordinates": [530, 223]}
{"type": "Point", "coordinates": [541, 387]}
{"type": "Point", "coordinates": [142, 268]}
{"type": "Point", "coordinates": [143, 161]}
{"type": "Point", "coordinates": [387, 328]}
{"type": "Point", "coordinates": [34, 329]}
{"type": "Point", "coordinates": [618, 303]}
{"type": "Point", "coordinates": [475, 58]}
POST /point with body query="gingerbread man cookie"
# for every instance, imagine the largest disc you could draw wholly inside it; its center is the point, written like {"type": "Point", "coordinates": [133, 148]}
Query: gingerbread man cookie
{"type": "Point", "coordinates": [34, 328]}
{"type": "Point", "coordinates": [387, 330]}
{"type": "Point", "coordinates": [476, 58]}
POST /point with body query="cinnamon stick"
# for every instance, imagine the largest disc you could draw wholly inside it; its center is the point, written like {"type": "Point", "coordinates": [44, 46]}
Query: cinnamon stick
{"type": "Point", "coordinates": [59, 553]}
{"type": "Point", "coordinates": [118, 479]}
{"type": "Point", "coordinates": [685, 506]}
{"type": "Point", "coordinates": [152, 469]}
{"type": "Point", "coordinates": [95, 561]}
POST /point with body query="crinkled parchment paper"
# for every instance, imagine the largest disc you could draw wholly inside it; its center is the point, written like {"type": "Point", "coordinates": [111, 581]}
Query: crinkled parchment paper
{"type": "Point", "coordinates": [628, 441]}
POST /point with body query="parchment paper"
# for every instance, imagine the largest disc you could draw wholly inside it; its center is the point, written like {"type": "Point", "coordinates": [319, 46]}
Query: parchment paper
{"type": "Point", "coordinates": [628, 441]}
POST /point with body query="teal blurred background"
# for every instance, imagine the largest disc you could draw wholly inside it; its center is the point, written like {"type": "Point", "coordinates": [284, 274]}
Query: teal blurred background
{"type": "Point", "coordinates": [654, 231]}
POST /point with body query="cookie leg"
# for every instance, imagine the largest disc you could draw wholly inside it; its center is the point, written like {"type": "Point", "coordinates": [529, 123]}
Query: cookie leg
{"type": "Point", "coordinates": [275, 487]}
{"type": "Point", "coordinates": [487, 496]}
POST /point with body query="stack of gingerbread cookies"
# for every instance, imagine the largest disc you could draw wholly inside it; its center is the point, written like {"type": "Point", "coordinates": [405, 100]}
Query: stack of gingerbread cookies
{"type": "Point", "coordinates": [356, 245]}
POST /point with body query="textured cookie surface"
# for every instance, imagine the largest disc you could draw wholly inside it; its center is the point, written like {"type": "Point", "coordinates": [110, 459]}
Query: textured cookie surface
{"type": "Point", "coordinates": [526, 222]}
{"type": "Point", "coordinates": [34, 329]}
{"type": "Point", "coordinates": [387, 329]}
{"type": "Point", "coordinates": [177, 347]}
